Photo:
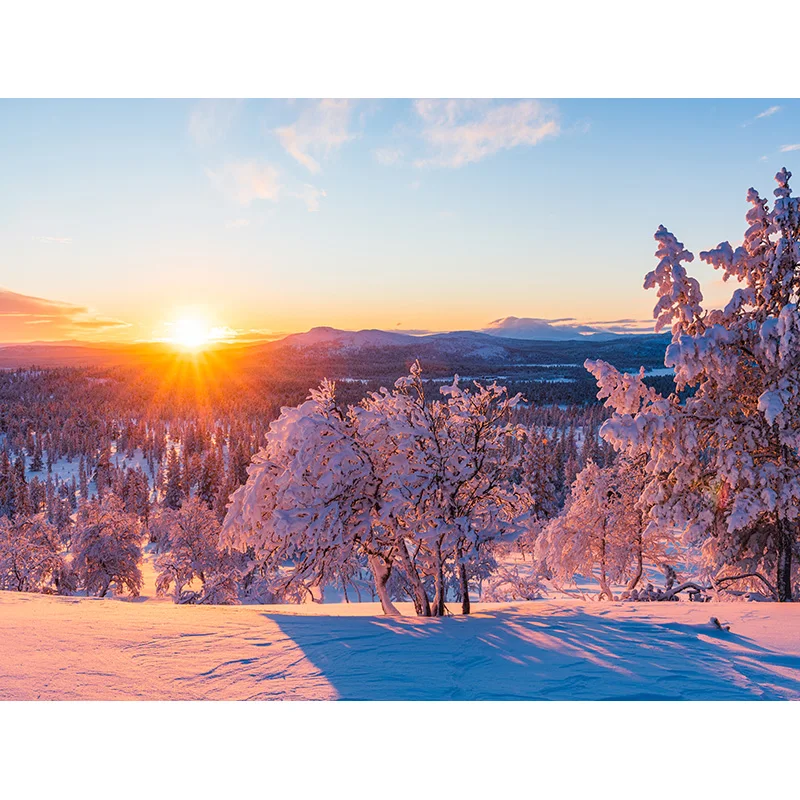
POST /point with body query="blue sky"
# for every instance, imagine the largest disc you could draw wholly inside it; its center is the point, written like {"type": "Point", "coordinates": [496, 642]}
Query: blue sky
{"type": "Point", "coordinates": [257, 215]}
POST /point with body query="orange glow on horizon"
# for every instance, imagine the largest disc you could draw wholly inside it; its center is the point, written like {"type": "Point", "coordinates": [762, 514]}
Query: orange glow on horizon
{"type": "Point", "coordinates": [190, 334]}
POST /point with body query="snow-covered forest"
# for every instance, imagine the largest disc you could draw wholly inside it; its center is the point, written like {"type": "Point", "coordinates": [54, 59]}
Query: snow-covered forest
{"type": "Point", "coordinates": [437, 493]}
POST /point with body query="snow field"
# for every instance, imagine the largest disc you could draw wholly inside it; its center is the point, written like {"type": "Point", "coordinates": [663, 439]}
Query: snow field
{"type": "Point", "coordinates": [70, 648]}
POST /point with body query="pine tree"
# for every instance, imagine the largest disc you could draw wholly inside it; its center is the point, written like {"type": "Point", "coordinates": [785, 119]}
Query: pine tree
{"type": "Point", "coordinates": [209, 481]}
{"type": "Point", "coordinates": [173, 492]}
{"type": "Point", "coordinates": [37, 462]}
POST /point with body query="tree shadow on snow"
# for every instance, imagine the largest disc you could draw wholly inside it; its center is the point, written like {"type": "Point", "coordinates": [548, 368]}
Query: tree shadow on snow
{"type": "Point", "coordinates": [562, 655]}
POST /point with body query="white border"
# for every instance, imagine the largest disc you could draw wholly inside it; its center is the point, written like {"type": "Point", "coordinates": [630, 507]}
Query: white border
{"type": "Point", "coordinates": [361, 48]}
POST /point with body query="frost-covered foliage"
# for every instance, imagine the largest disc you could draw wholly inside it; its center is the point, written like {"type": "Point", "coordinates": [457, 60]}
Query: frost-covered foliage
{"type": "Point", "coordinates": [188, 539]}
{"type": "Point", "coordinates": [396, 482]}
{"type": "Point", "coordinates": [107, 548]}
{"type": "Point", "coordinates": [513, 583]}
{"type": "Point", "coordinates": [601, 531]}
{"type": "Point", "coordinates": [723, 464]}
{"type": "Point", "coordinates": [451, 479]}
{"type": "Point", "coordinates": [31, 558]}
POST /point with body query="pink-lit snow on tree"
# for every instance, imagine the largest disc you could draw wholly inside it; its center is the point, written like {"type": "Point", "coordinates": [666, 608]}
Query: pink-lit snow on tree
{"type": "Point", "coordinates": [397, 482]}
{"type": "Point", "coordinates": [723, 463]}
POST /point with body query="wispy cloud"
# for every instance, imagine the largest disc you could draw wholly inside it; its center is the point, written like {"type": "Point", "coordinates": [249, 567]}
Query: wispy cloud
{"type": "Point", "coordinates": [310, 195]}
{"type": "Point", "coordinates": [320, 129]}
{"type": "Point", "coordinates": [387, 156]}
{"type": "Point", "coordinates": [210, 120]}
{"type": "Point", "coordinates": [245, 181]}
{"type": "Point", "coordinates": [461, 132]}
{"type": "Point", "coordinates": [788, 148]}
{"type": "Point", "coordinates": [54, 239]}
{"type": "Point", "coordinates": [768, 112]}
{"type": "Point", "coordinates": [25, 317]}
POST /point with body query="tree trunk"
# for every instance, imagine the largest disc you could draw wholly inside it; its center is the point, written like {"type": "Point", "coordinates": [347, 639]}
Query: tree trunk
{"type": "Point", "coordinates": [437, 609]}
{"type": "Point", "coordinates": [464, 580]}
{"type": "Point", "coordinates": [421, 602]}
{"type": "Point", "coordinates": [603, 579]}
{"type": "Point", "coordinates": [381, 573]}
{"type": "Point", "coordinates": [637, 576]}
{"type": "Point", "coordinates": [784, 576]}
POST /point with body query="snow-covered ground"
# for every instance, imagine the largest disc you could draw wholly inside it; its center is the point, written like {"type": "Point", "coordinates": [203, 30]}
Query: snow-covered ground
{"type": "Point", "coordinates": [83, 648]}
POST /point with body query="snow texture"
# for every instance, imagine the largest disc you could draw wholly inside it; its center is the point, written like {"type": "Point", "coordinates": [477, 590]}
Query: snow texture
{"type": "Point", "coordinates": [82, 648]}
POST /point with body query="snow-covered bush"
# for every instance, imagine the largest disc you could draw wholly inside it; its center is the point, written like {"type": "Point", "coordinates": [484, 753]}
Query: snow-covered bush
{"type": "Point", "coordinates": [190, 553]}
{"type": "Point", "coordinates": [107, 548]}
{"type": "Point", "coordinates": [512, 583]}
{"type": "Point", "coordinates": [31, 558]}
{"type": "Point", "coordinates": [723, 464]}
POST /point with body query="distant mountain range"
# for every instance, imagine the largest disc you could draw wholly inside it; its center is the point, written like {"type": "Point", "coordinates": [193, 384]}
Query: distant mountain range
{"type": "Point", "coordinates": [325, 343]}
{"type": "Point", "coordinates": [506, 328]}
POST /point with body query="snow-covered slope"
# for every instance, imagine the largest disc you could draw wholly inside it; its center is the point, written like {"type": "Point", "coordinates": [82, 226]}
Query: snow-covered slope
{"type": "Point", "coordinates": [546, 330]}
{"type": "Point", "coordinates": [333, 337]}
{"type": "Point", "coordinates": [78, 649]}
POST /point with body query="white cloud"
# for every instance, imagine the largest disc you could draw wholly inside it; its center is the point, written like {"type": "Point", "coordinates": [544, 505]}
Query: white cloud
{"type": "Point", "coordinates": [245, 181]}
{"type": "Point", "coordinates": [310, 195]}
{"type": "Point", "coordinates": [465, 131]}
{"type": "Point", "coordinates": [54, 239]}
{"type": "Point", "coordinates": [237, 223]}
{"type": "Point", "coordinates": [768, 112]}
{"type": "Point", "coordinates": [211, 119]}
{"type": "Point", "coordinates": [320, 129]}
{"type": "Point", "coordinates": [788, 148]}
{"type": "Point", "coordinates": [387, 156]}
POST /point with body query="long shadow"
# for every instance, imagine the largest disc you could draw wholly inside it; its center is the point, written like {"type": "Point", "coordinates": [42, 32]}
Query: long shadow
{"type": "Point", "coordinates": [563, 655]}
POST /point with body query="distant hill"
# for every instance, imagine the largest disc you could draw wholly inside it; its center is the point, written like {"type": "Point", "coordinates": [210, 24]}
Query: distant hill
{"type": "Point", "coordinates": [475, 345]}
{"type": "Point", "coordinates": [370, 352]}
{"type": "Point", "coordinates": [332, 337]}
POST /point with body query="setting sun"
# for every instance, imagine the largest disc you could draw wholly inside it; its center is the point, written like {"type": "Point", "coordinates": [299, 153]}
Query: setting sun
{"type": "Point", "coordinates": [190, 334]}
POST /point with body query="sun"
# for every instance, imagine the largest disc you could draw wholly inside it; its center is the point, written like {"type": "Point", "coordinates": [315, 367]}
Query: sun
{"type": "Point", "coordinates": [190, 334]}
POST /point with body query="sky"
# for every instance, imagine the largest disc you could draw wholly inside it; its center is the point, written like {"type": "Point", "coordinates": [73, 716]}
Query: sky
{"type": "Point", "coordinates": [120, 220]}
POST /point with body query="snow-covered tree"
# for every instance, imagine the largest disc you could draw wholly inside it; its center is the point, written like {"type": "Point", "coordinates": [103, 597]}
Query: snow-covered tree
{"type": "Point", "coordinates": [601, 531]}
{"type": "Point", "coordinates": [723, 464]}
{"type": "Point", "coordinates": [37, 461]}
{"type": "Point", "coordinates": [310, 498]}
{"type": "Point", "coordinates": [397, 482]}
{"type": "Point", "coordinates": [106, 548]}
{"type": "Point", "coordinates": [210, 478]}
{"type": "Point", "coordinates": [189, 544]}
{"type": "Point", "coordinates": [451, 473]}
{"type": "Point", "coordinates": [31, 557]}
{"type": "Point", "coordinates": [592, 536]}
{"type": "Point", "coordinates": [538, 472]}
{"type": "Point", "coordinates": [173, 488]}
